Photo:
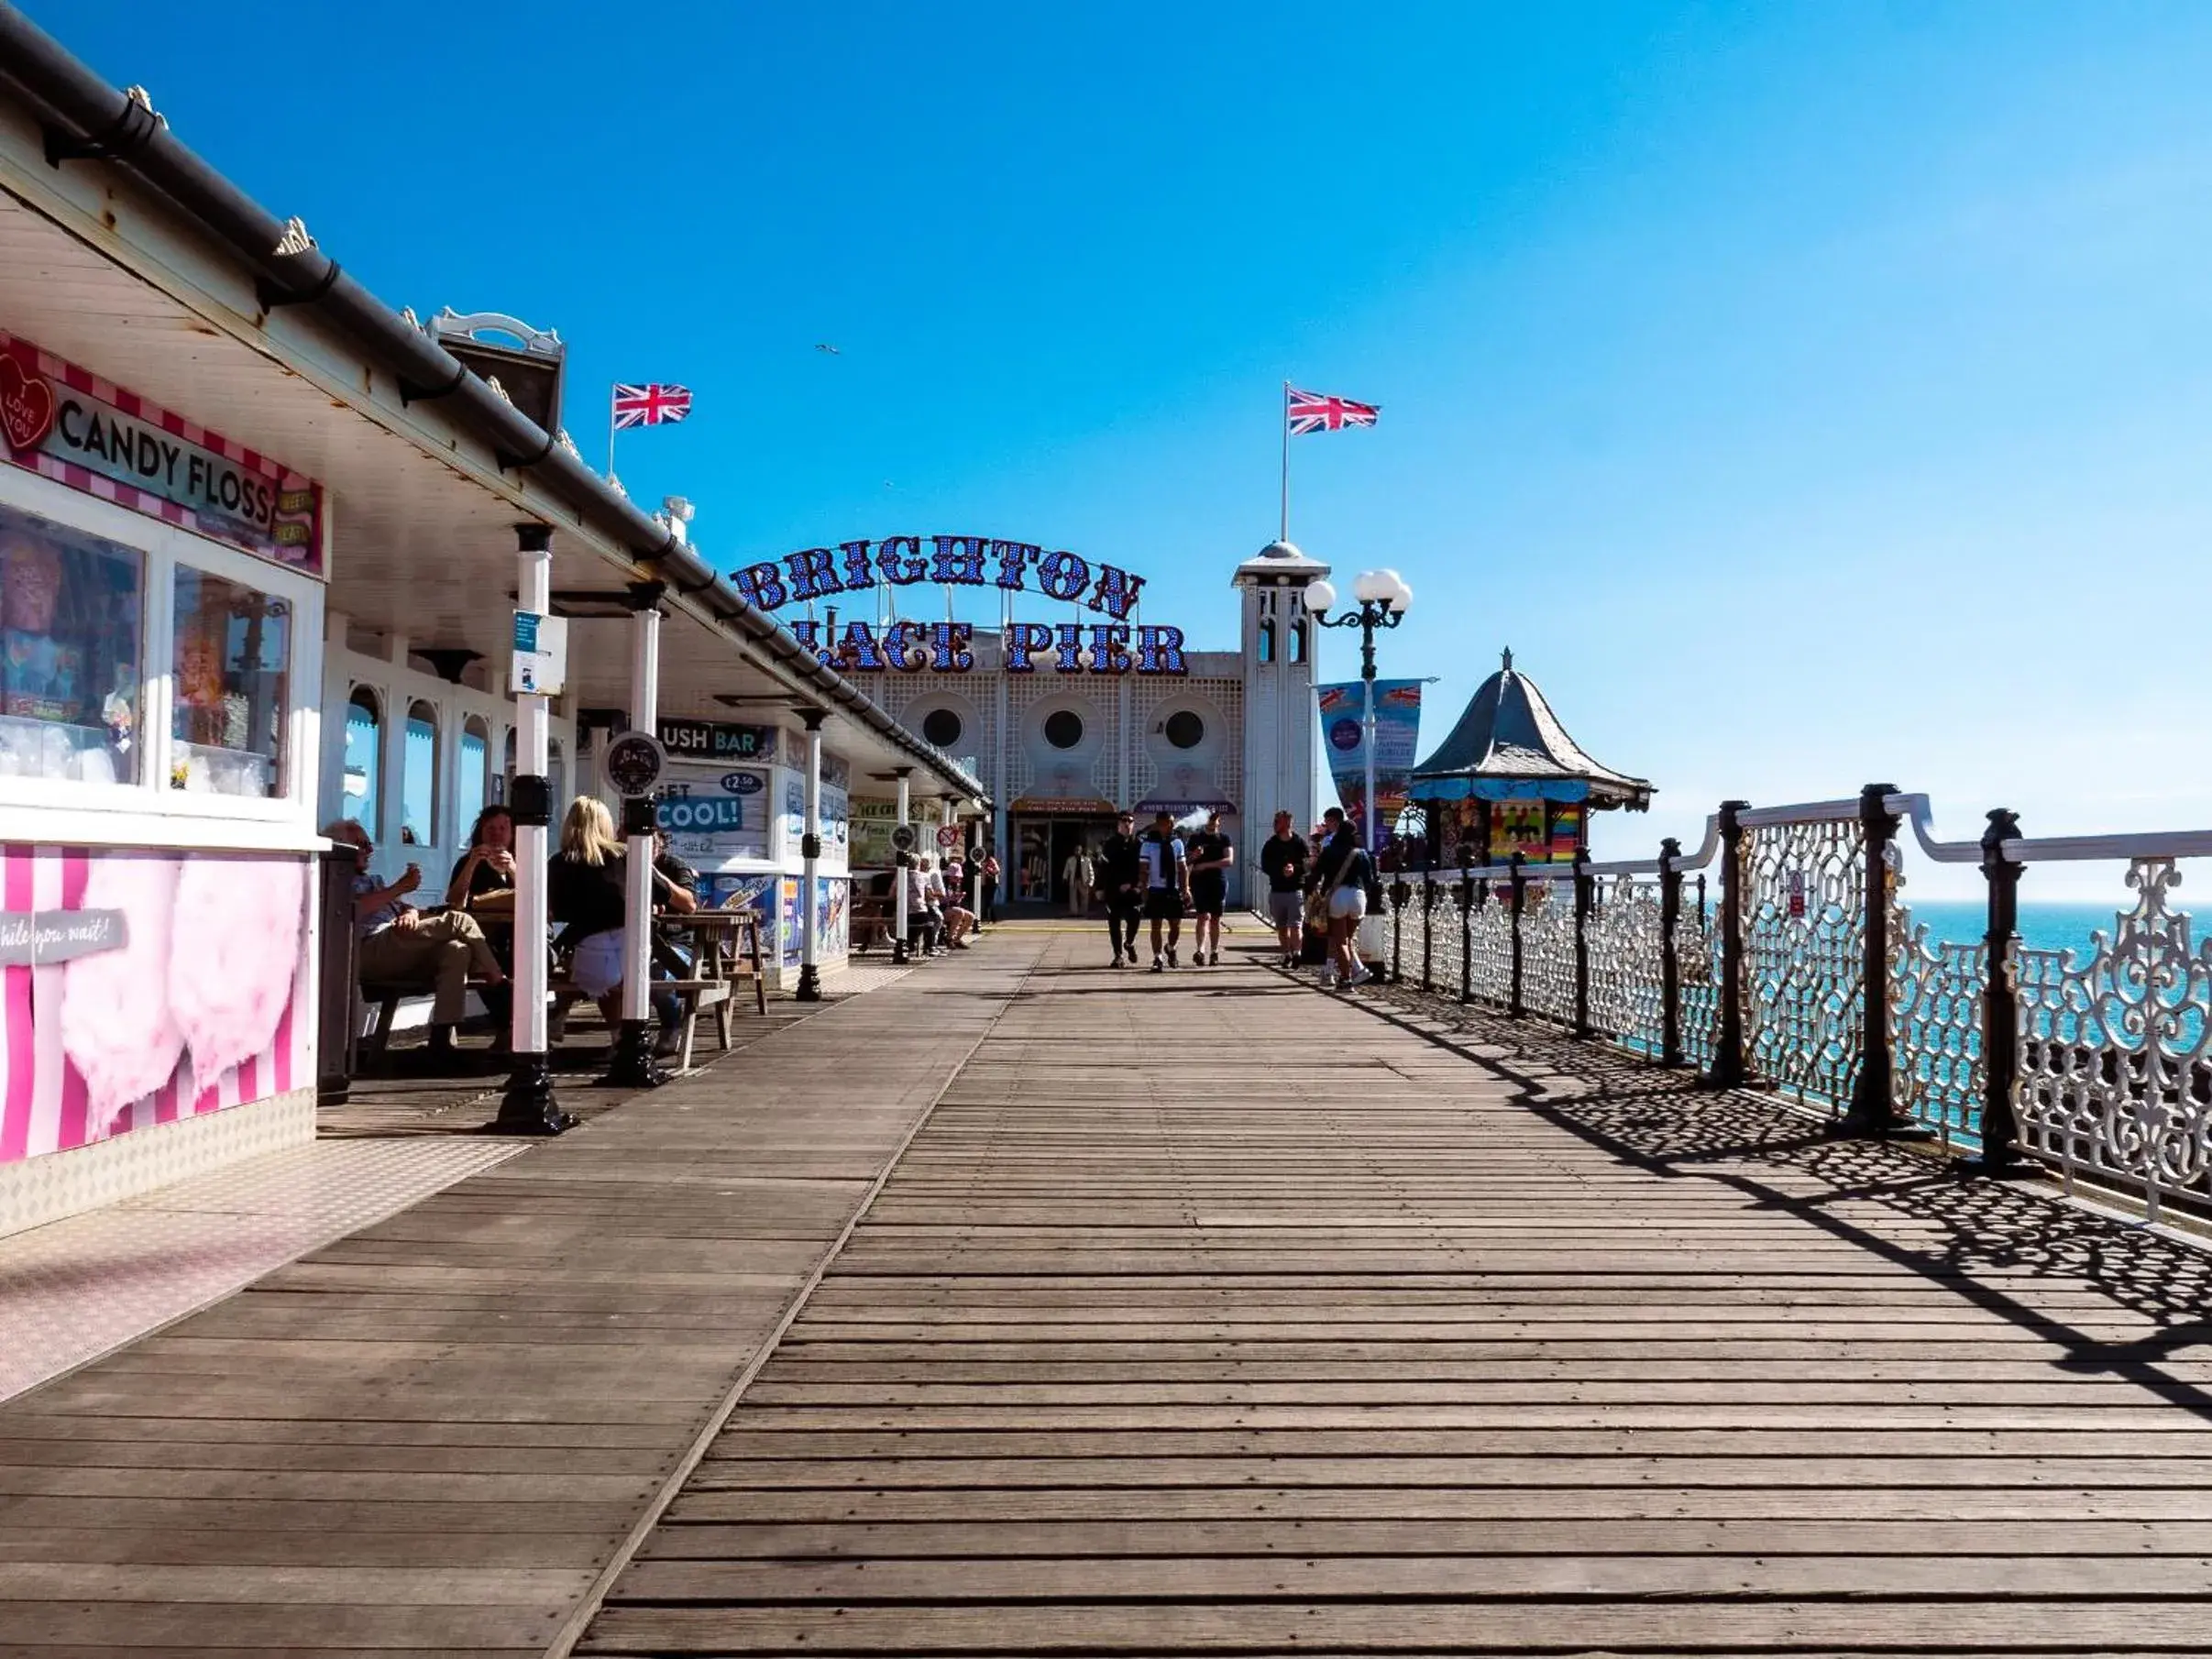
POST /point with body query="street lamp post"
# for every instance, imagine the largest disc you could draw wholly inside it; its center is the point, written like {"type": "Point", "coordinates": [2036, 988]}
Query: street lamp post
{"type": "Point", "coordinates": [1384, 599]}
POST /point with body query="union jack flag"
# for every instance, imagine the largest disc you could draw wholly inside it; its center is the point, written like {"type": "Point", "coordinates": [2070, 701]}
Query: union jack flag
{"type": "Point", "coordinates": [1317, 412]}
{"type": "Point", "coordinates": [650, 405]}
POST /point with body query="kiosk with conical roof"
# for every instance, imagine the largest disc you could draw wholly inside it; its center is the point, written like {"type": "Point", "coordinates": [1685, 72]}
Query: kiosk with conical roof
{"type": "Point", "coordinates": [1509, 779]}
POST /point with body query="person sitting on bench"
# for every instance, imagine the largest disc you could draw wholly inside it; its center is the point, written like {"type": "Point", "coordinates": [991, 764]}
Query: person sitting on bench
{"type": "Point", "coordinates": [399, 943]}
{"type": "Point", "coordinates": [675, 893]}
{"type": "Point", "coordinates": [586, 891]}
{"type": "Point", "coordinates": [483, 885]}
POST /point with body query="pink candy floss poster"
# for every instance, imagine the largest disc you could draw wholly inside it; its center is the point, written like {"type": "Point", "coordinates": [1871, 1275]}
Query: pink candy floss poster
{"type": "Point", "coordinates": [139, 988]}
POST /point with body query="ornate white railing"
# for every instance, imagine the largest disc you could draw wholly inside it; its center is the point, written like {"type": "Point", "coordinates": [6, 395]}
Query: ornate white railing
{"type": "Point", "coordinates": [2098, 1064]}
{"type": "Point", "coordinates": [2114, 1076]}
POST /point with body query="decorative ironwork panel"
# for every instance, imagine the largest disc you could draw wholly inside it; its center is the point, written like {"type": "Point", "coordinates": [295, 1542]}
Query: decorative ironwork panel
{"type": "Point", "coordinates": [1397, 937]}
{"type": "Point", "coordinates": [1935, 1024]}
{"type": "Point", "coordinates": [1697, 948]}
{"type": "Point", "coordinates": [2116, 1052]}
{"type": "Point", "coordinates": [1547, 951]}
{"type": "Point", "coordinates": [1625, 940]}
{"type": "Point", "coordinates": [1451, 941]}
{"type": "Point", "coordinates": [1805, 955]}
{"type": "Point", "coordinates": [1490, 944]}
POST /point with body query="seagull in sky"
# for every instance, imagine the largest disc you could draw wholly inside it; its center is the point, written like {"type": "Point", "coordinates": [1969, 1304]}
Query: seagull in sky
{"type": "Point", "coordinates": [827, 350]}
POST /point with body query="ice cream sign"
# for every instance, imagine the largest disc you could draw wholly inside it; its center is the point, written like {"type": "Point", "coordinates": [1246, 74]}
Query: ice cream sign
{"type": "Point", "coordinates": [70, 425]}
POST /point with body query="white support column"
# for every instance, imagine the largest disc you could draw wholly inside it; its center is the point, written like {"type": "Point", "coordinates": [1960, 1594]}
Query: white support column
{"type": "Point", "coordinates": [391, 757]}
{"type": "Point", "coordinates": [809, 848]}
{"type": "Point", "coordinates": [900, 865]}
{"type": "Point", "coordinates": [974, 852]}
{"type": "Point", "coordinates": [337, 686]}
{"type": "Point", "coordinates": [632, 1059]}
{"type": "Point", "coordinates": [528, 1107]}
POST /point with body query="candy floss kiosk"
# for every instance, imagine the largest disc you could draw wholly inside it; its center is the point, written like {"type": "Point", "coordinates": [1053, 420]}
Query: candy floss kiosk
{"type": "Point", "coordinates": [160, 630]}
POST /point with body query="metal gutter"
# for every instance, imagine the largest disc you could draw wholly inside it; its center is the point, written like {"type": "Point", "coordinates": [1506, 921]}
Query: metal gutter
{"type": "Point", "coordinates": [87, 119]}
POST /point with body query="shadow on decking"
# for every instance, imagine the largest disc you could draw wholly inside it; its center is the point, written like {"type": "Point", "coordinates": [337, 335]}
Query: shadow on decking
{"type": "Point", "coordinates": [1757, 1145]}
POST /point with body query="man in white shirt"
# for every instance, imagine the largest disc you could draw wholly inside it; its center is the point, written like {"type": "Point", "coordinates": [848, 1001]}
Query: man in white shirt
{"type": "Point", "coordinates": [1167, 886]}
{"type": "Point", "coordinates": [922, 917]}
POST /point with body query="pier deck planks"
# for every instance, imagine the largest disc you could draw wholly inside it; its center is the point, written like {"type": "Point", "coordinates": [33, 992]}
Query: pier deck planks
{"type": "Point", "coordinates": [432, 1437]}
{"type": "Point", "coordinates": [1205, 1313]}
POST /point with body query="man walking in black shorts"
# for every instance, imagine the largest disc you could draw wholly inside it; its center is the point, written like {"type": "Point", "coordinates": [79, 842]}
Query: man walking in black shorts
{"type": "Point", "coordinates": [1121, 874]}
{"type": "Point", "coordinates": [1167, 886]}
{"type": "Point", "coordinates": [1211, 856]}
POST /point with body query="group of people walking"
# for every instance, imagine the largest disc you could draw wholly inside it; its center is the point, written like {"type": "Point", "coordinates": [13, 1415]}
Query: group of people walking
{"type": "Point", "coordinates": [1162, 877]}
{"type": "Point", "coordinates": [1324, 886]}
{"type": "Point", "coordinates": [1165, 876]}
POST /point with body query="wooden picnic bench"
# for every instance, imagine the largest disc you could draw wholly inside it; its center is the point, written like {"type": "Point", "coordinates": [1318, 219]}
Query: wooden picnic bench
{"type": "Point", "coordinates": [872, 918]}
{"type": "Point", "coordinates": [726, 952]}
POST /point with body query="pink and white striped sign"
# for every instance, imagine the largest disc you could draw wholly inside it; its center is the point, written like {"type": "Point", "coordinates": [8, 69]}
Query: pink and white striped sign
{"type": "Point", "coordinates": [68, 425]}
{"type": "Point", "coordinates": [142, 987]}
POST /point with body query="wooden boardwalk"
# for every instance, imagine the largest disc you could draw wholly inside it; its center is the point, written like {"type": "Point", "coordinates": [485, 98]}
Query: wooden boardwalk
{"type": "Point", "coordinates": [1207, 1313]}
{"type": "Point", "coordinates": [435, 1435]}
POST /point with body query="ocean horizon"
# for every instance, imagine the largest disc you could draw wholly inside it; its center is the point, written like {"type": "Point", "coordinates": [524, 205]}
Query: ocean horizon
{"type": "Point", "coordinates": [2042, 926]}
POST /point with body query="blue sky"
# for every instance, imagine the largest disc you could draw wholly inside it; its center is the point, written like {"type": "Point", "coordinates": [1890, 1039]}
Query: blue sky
{"type": "Point", "coordinates": [1809, 394]}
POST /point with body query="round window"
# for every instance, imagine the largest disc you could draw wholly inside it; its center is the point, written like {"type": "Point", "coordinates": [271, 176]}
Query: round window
{"type": "Point", "coordinates": [1185, 730]}
{"type": "Point", "coordinates": [1063, 729]}
{"type": "Point", "coordinates": [941, 727]}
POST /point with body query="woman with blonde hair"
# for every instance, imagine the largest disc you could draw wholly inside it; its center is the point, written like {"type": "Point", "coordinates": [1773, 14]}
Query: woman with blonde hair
{"type": "Point", "coordinates": [585, 892]}
{"type": "Point", "coordinates": [587, 889]}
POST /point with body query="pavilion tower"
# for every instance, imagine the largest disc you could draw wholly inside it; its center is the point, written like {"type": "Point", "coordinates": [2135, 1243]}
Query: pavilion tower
{"type": "Point", "coordinates": [1277, 640]}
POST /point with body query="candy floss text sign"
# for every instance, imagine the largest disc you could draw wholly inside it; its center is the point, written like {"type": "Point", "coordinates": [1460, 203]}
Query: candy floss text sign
{"type": "Point", "coordinates": [139, 988]}
{"type": "Point", "coordinates": [67, 424]}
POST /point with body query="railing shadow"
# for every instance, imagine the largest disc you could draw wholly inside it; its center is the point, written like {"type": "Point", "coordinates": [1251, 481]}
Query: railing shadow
{"type": "Point", "coordinates": [1976, 1231]}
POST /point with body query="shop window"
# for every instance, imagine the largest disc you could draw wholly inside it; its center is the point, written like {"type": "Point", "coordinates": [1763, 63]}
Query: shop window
{"type": "Point", "coordinates": [941, 727]}
{"type": "Point", "coordinates": [1298, 641]}
{"type": "Point", "coordinates": [232, 645]}
{"type": "Point", "coordinates": [1267, 640]}
{"type": "Point", "coordinates": [474, 778]}
{"type": "Point", "coordinates": [1063, 729]}
{"type": "Point", "coordinates": [70, 666]}
{"type": "Point", "coordinates": [364, 754]}
{"type": "Point", "coordinates": [419, 777]}
{"type": "Point", "coordinates": [1185, 730]}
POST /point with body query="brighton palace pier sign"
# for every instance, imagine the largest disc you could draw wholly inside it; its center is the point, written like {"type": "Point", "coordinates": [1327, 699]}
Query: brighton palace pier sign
{"type": "Point", "coordinates": [1112, 646]}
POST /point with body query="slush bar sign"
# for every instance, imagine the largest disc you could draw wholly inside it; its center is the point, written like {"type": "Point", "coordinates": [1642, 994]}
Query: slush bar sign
{"type": "Point", "coordinates": [1111, 646]}
{"type": "Point", "coordinates": [715, 740]}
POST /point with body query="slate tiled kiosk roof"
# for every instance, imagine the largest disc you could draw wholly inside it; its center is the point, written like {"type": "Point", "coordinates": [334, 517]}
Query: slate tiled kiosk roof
{"type": "Point", "coordinates": [1509, 737]}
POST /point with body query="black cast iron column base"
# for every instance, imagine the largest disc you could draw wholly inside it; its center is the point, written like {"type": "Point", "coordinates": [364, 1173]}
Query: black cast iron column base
{"type": "Point", "coordinates": [809, 984]}
{"type": "Point", "coordinates": [528, 1107]}
{"type": "Point", "coordinates": [632, 1066]}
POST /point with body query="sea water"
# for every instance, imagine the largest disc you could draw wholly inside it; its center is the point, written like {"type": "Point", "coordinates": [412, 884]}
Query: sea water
{"type": "Point", "coordinates": [2044, 926]}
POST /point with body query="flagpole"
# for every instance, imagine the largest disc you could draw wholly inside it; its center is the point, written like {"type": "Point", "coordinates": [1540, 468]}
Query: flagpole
{"type": "Point", "coordinates": [610, 430]}
{"type": "Point", "coordinates": [1286, 463]}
